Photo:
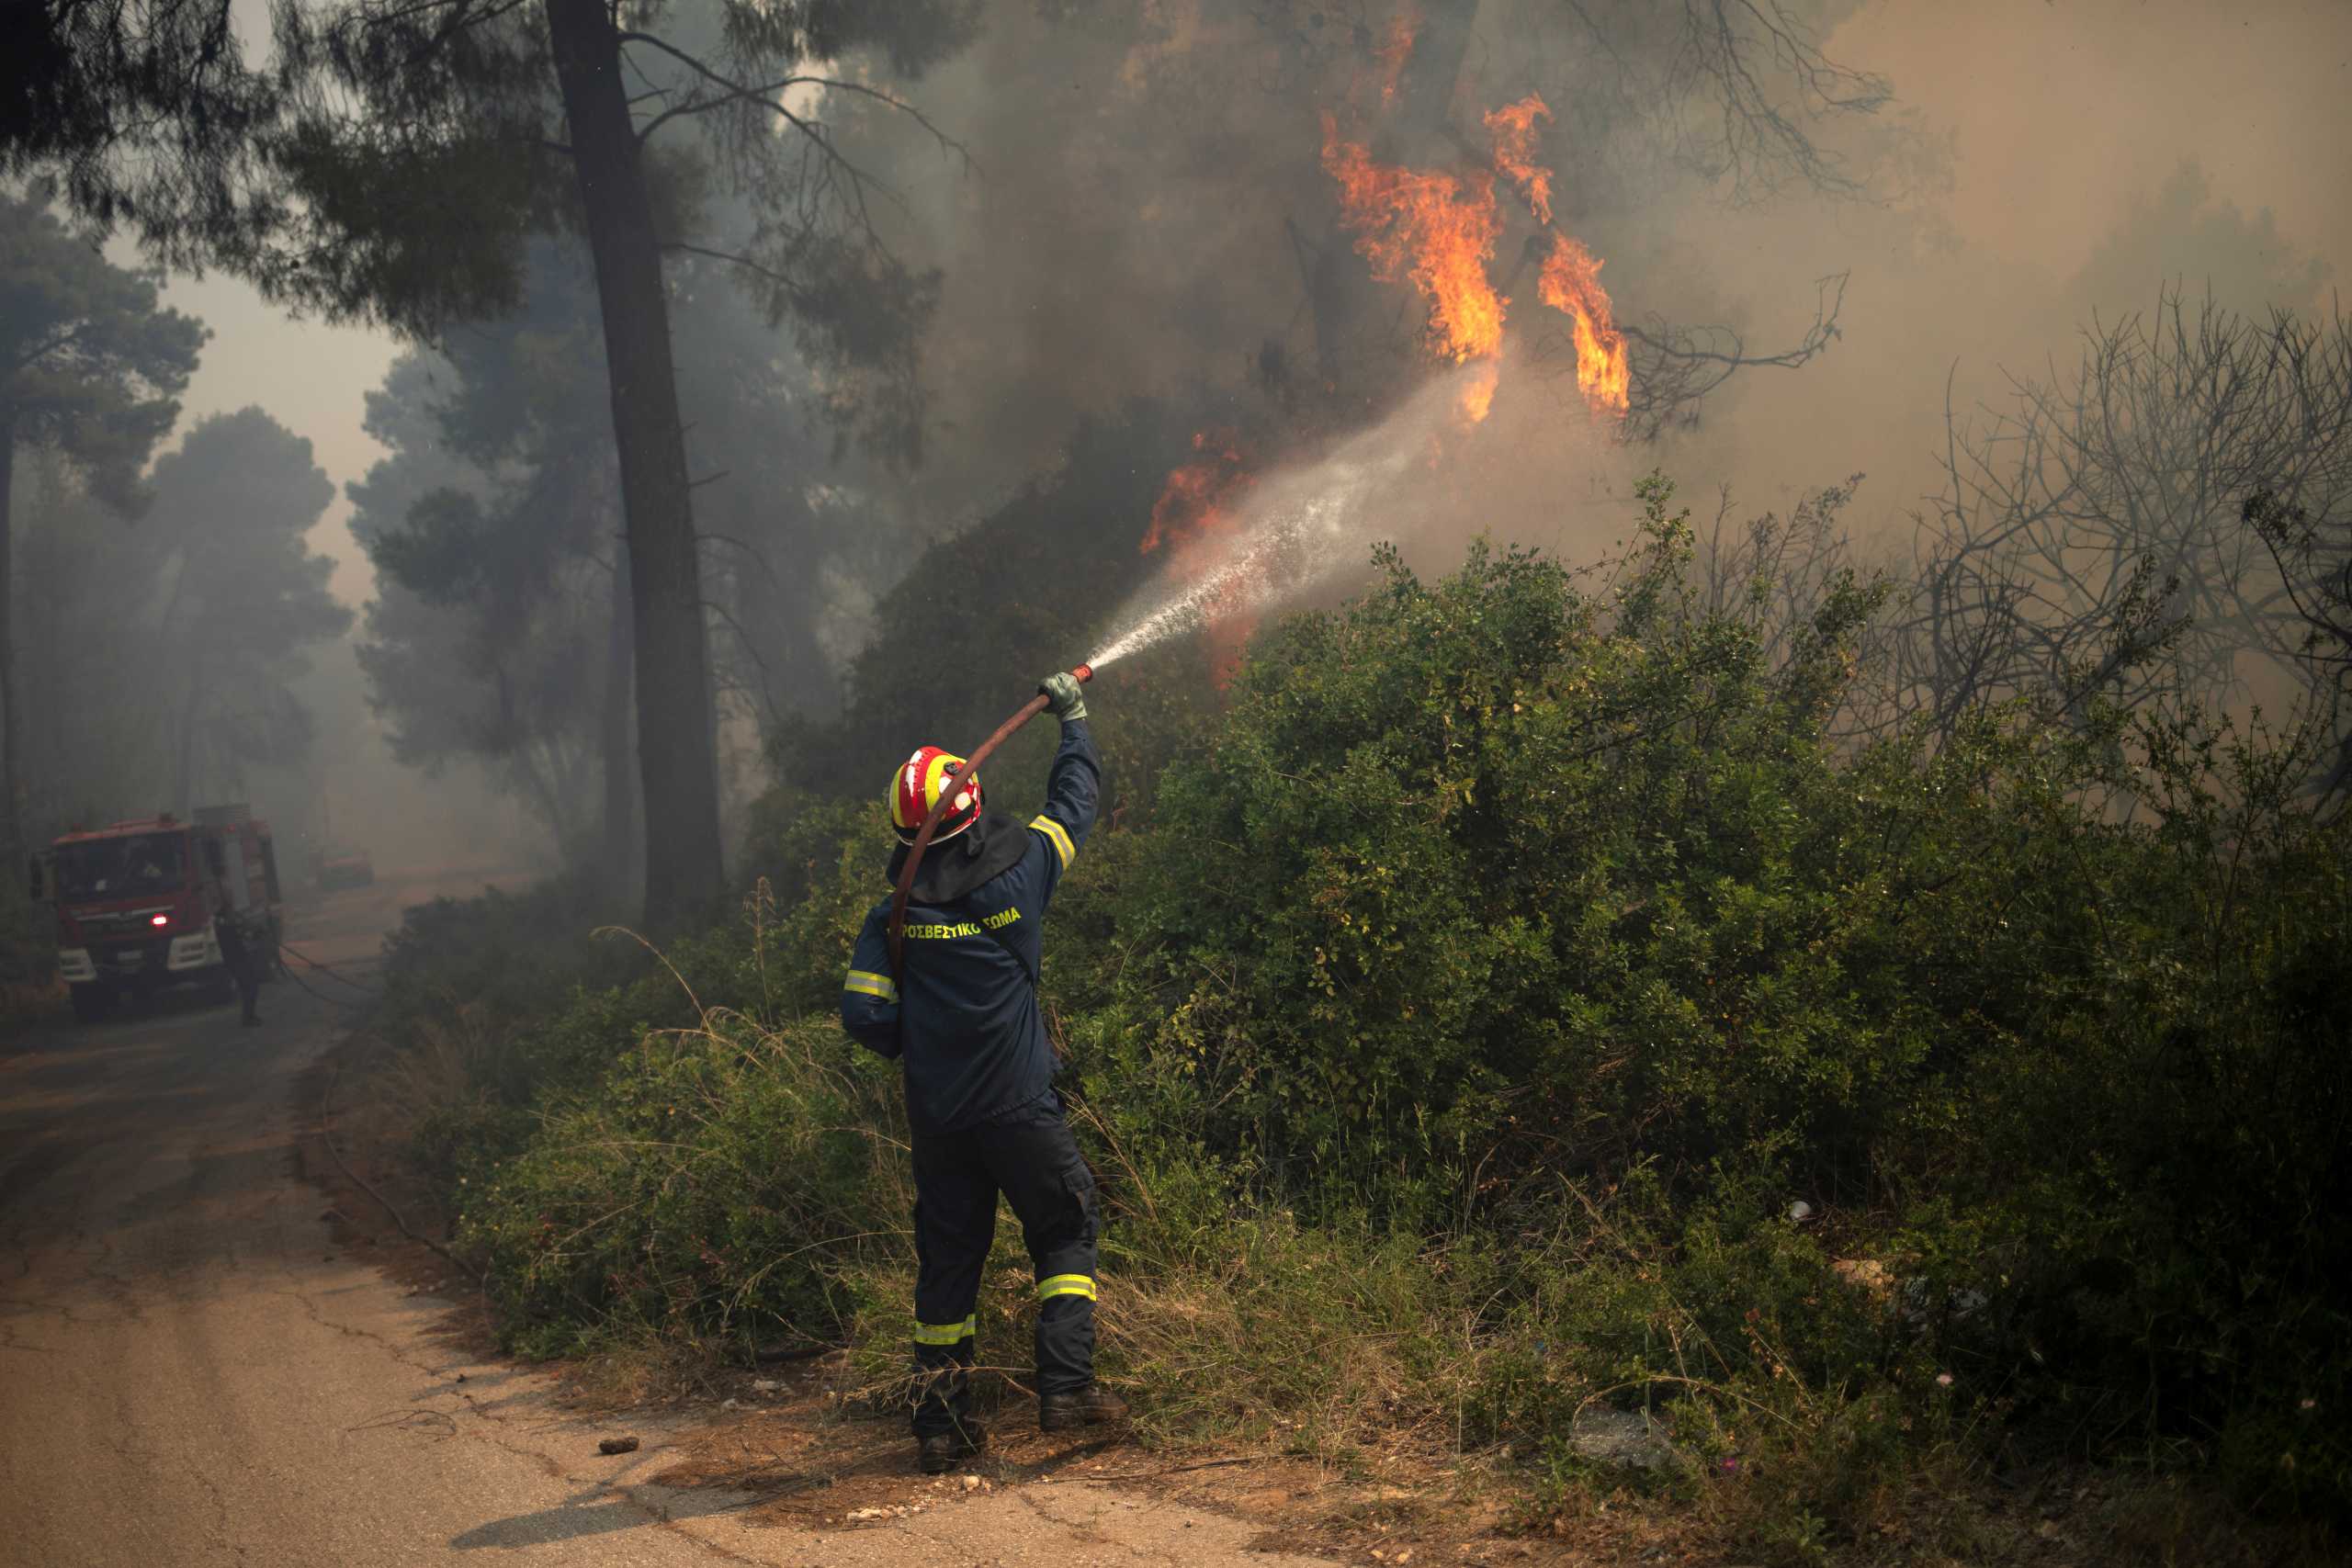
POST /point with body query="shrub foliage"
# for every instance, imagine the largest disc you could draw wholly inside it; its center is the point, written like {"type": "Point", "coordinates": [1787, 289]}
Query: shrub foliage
{"type": "Point", "coordinates": [1458, 1022]}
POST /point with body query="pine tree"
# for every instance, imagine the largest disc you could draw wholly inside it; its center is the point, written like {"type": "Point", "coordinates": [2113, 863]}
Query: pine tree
{"type": "Point", "coordinates": [91, 368]}
{"type": "Point", "coordinates": [428, 141]}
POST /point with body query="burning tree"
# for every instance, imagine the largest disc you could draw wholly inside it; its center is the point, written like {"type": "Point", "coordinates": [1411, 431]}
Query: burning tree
{"type": "Point", "coordinates": [1734, 97]}
{"type": "Point", "coordinates": [404, 151]}
{"type": "Point", "coordinates": [1460, 198]}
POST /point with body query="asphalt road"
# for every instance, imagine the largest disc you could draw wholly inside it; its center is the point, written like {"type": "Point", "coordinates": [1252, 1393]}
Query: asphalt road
{"type": "Point", "coordinates": [191, 1372]}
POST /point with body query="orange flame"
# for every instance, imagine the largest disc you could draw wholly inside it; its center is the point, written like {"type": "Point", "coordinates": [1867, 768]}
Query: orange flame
{"type": "Point", "coordinates": [1513, 128]}
{"type": "Point", "coordinates": [1190, 520]}
{"type": "Point", "coordinates": [1439, 232]}
{"type": "Point", "coordinates": [1571, 283]}
{"type": "Point", "coordinates": [1191, 505]}
{"type": "Point", "coordinates": [1433, 229]}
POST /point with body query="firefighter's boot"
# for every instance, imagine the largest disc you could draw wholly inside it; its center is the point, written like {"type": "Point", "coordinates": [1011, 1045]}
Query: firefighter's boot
{"type": "Point", "coordinates": [1089, 1406]}
{"type": "Point", "coordinates": [943, 1451]}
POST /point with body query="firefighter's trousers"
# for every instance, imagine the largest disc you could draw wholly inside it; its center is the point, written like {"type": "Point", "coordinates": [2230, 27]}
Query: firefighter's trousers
{"type": "Point", "coordinates": [1030, 1156]}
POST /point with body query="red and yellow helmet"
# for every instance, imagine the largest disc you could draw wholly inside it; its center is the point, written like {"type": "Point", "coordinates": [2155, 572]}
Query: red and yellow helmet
{"type": "Point", "coordinates": [917, 785]}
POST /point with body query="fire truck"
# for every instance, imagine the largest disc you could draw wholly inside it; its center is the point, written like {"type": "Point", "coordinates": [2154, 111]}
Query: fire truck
{"type": "Point", "coordinates": [138, 904]}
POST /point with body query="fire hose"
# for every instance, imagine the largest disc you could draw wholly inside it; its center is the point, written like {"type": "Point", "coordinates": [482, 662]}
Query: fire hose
{"type": "Point", "coordinates": [1005, 732]}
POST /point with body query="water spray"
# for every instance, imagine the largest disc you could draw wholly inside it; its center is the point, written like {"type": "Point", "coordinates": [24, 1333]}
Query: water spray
{"type": "Point", "coordinates": [1300, 527]}
{"type": "Point", "coordinates": [1005, 732]}
{"type": "Point", "coordinates": [1296, 530]}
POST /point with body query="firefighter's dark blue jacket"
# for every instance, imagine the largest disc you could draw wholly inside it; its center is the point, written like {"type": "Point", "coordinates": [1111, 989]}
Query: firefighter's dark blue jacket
{"type": "Point", "coordinates": [964, 1023]}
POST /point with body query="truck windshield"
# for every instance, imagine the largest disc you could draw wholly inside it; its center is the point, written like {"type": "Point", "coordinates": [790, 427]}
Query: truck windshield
{"type": "Point", "coordinates": [124, 867]}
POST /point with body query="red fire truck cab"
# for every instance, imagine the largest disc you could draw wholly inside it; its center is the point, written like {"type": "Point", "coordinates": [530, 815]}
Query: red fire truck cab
{"type": "Point", "coordinates": [139, 903]}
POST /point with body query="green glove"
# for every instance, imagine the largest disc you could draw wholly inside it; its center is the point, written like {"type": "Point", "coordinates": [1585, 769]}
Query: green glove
{"type": "Point", "coordinates": [1065, 698]}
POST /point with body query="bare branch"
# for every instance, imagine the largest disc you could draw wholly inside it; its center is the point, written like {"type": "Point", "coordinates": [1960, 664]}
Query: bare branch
{"type": "Point", "coordinates": [732, 92]}
{"type": "Point", "coordinates": [2129, 529]}
{"type": "Point", "coordinates": [780, 279]}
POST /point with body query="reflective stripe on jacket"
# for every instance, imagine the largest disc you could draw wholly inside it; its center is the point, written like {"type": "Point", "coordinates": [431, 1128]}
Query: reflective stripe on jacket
{"type": "Point", "coordinates": [963, 1019]}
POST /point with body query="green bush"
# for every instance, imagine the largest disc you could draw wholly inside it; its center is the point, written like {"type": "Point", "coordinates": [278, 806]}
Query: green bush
{"type": "Point", "coordinates": [721, 1177]}
{"type": "Point", "coordinates": [1483, 875]}
{"type": "Point", "coordinates": [1493, 885]}
{"type": "Point", "coordinates": [504, 954]}
{"type": "Point", "coordinates": [1455, 1021]}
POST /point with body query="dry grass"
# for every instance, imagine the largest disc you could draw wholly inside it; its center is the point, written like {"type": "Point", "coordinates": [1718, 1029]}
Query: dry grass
{"type": "Point", "coordinates": [444, 1064]}
{"type": "Point", "coordinates": [634, 1367]}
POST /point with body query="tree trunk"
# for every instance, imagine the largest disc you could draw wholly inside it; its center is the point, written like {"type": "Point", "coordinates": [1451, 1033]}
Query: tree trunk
{"type": "Point", "coordinates": [621, 792]}
{"type": "Point", "coordinates": [12, 823]}
{"type": "Point", "coordinates": [676, 762]}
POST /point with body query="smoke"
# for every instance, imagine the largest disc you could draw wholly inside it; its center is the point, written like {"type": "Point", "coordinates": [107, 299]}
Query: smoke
{"type": "Point", "coordinates": [356, 794]}
{"type": "Point", "coordinates": [1302, 525]}
{"type": "Point", "coordinates": [2073, 161]}
{"type": "Point", "coordinates": [1142, 214]}
{"type": "Point", "coordinates": [1135, 207]}
{"type": "Point", "coordinates": [1093, 249]}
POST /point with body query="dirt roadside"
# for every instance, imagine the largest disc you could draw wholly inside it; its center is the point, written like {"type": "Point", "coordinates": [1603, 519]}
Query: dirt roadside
{"type": "Point", "coordinates": [776, 1452]}
{"type": "Point", "coordinates": [215, 1348]}
{"type": "Point", "coordinates": [787, 1454]}
{"type": "Point", "coordinates": [772, 1464]}
{"type": "Point", "coordinates": [203, 1360]}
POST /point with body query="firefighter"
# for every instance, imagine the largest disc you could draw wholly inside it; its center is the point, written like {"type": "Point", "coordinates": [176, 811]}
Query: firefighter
{"type": "Point", "coordinates": [239, 959]}
{"type": "Point", "coordinates": [963, 1022]}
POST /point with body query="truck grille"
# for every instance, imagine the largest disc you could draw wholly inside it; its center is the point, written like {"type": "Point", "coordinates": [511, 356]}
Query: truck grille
{"type": "Point", "coordinates": [139, 955]}
{"type": "Point", "coordinates": [119, 922]}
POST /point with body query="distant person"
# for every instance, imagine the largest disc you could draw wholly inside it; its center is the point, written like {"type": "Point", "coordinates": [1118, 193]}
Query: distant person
{"type": "Point", "coordinates": [243, 964]}
{"type": "Point", "coordinates": [979, 1078]}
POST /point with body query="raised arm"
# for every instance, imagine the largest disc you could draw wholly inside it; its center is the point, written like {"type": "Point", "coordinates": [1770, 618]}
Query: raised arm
{"type": "Point", "coordinates": [1074, 784]}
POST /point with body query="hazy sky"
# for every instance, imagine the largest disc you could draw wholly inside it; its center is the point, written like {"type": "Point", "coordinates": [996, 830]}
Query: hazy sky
{"type": "Point", "coordinates": [2072, 127]}
{"type": "Point", "coordinates": [2063, 110]}
{"type": "Point", "coordinates": [2062, 116]}
{"type": "Point", "coordinates": [313, 378]}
